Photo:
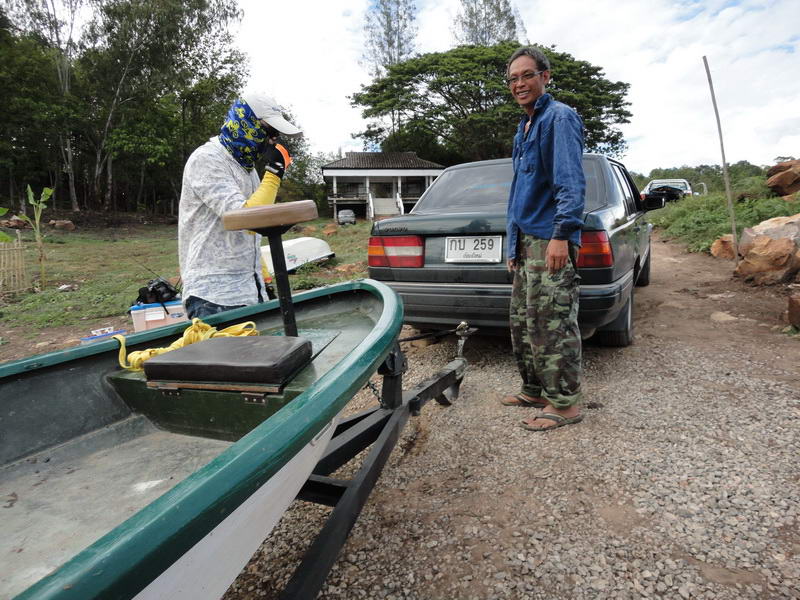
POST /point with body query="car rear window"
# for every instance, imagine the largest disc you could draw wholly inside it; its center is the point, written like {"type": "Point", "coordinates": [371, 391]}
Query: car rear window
{"type": "Point", "coordinates": [485, 187]}
{"type": "Point", "coordinates": [681, 185]}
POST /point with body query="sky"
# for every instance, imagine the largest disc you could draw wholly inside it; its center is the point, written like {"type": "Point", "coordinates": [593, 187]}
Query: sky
{"type": "Point", "coordinates": [308, 55]}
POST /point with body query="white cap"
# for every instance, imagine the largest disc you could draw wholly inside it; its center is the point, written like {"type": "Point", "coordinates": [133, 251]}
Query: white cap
{"type": "Point", "coordinates": [266, 108]}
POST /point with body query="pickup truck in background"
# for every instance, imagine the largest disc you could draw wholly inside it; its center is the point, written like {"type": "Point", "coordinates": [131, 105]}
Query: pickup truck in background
{"type": "Point", "coordinates": [670, 189]}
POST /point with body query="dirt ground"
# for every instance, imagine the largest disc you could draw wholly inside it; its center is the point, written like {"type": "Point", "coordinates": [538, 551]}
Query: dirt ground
{"type": "Point", "coordinates": [19, 342]}
{"type": "Point", "coordinates": [694, 303]}
{"type": "Point", "coordinates": [695, 298]}
{"type": "Point", "coordinates": [686, 290]}
{"type": "Point", "coordinates": [703, 403]}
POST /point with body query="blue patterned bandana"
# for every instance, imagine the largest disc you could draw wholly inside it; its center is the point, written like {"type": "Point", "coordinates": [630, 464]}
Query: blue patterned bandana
{"type": "Point", "coordinates": [242, 135]}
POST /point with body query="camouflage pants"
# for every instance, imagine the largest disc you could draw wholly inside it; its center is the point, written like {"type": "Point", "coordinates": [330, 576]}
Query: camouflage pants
{"type": "Point", "coordinates": [544, 325]}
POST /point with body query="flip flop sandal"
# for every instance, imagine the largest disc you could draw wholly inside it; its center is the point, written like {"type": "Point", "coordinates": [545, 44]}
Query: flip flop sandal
{"type": "Point", "coordinates": [559, 420]}
{"type": "Point", "coordinates": [520, 400]}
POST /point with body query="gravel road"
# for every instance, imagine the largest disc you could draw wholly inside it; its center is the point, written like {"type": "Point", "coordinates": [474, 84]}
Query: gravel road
{"type": "Point", "coordinates": [682, 482]}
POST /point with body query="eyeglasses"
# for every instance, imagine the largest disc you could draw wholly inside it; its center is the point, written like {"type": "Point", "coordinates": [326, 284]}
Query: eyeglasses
{"type": "Point", "coordinates": [524, 77]}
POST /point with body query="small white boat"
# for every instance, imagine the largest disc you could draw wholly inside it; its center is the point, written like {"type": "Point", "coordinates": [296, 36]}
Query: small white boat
{"type": "Point", "coordinates": [300, 251]}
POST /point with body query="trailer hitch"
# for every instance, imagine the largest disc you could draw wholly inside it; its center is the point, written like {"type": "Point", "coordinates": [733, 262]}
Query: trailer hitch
{"type": "Point", "coordinates": [463, 331]}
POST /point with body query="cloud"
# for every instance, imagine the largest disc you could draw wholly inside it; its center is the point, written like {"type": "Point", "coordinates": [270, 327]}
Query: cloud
{"type": "Point", "coordinates": [308, 54]}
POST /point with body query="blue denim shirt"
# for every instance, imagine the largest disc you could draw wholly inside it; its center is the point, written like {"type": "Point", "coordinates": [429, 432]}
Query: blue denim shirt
{"type": "Point", "coordinates": [548, 188]}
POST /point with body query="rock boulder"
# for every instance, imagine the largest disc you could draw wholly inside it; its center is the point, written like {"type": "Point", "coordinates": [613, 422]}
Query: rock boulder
{"type": "Point", "coordinates": [784, 178]}
{"type": "Point", "coordinates": [775, 228]}
{"type": "Point", "coordinates": [723, 247]}
{"type": "Point", "coordinates": [14, 223]}
{"type": "Point", "coordinates": [794, 310]}
{"type": "Point", "coordinates": [769, 261]}
{"type": "Point", "coordinates": [63, 225]}
{"type": "Point", "coordinates": [782, 166]}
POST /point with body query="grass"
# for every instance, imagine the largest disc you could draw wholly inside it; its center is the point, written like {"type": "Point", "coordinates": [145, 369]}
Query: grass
{"type": "Point", "coordinates": [106, 268]}
{"type": "Point", "coordinates": [699, 220]}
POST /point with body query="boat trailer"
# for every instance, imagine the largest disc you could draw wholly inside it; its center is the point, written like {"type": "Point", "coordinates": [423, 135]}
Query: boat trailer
{"type": "Point", "coordinates": [378, 427]}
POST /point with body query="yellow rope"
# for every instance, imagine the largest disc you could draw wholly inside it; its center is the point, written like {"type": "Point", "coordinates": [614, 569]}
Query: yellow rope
{"type": "Point", "coordinates": [196, 332]}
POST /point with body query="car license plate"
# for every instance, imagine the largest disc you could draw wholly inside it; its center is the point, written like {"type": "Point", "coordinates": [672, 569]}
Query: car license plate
{"type": "Point", "coordinates": [474, 249]}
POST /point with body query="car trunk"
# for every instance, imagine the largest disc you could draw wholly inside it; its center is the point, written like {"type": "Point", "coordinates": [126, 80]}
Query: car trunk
{"type": "Point", "coordinates": [477, 235]}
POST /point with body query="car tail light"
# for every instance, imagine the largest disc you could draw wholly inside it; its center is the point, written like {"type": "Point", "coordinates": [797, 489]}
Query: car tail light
{"type": "Point", "coordinates": [595, 250]}
{"type": "Point", "coordinates": [396, 251]}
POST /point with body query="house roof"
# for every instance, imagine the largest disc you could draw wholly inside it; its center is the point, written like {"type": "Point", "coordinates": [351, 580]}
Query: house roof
{"type": "Point", "coordinates": [382, 160]}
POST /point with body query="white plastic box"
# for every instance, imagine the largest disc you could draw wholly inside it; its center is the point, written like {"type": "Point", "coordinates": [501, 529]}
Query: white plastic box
{"type": "Point", "coordinates": [150, 316]}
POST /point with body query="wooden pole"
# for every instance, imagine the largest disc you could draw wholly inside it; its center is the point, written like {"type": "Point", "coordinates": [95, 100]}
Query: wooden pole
{"type": "Point", "coordinates": [724, 167]}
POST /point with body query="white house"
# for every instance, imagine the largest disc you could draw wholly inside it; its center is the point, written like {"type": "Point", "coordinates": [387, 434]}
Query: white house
{"type": "Point", "coordinates": [378, 184]}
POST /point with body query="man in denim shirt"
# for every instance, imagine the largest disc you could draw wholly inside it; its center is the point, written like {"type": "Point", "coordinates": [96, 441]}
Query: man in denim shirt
{"type": "Point", "coordinates": [545, 213]}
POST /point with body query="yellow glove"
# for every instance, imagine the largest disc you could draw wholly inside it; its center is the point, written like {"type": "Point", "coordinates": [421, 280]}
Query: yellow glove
{"type": "Point", "coordinates": [278, 160]}
{"type": "Point", "coordinates": [265, 271]}
{"type": "Point", "coordinates": [266, 191]}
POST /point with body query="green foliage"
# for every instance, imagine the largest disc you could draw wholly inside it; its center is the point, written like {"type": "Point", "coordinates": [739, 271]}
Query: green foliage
{"type": "Point", "coordinates": [754, 186]}
{"type": "Point", "coordinates": [33, 114]}
{"type": "Point", "coordinates": [741, 174]}
{"type": "Point", "coordinates": [107, 272]}
{"type": "Point", "coordinates": [108, 268]}
{"type": "Point", "coordinates": [307, 277]}
{"type": "Point", "coordinates": [148, 82]}
{"type": "Point", "coordinates": [413, 138]}
{"type": "Point", "coordinates": [639, 180]}
{"type": "Point", "coordinates": [38, 204]}
{"type": "Point", "coordinates": [699, 220]}
{"type": "Point", "coordinates": [4, 237]}
{"type": "Point", "coordinates": [460, 101]}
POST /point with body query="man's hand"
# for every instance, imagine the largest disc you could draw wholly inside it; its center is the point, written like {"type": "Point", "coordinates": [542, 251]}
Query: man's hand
{"type": "Point", "coordinates": [511, 265]}
{"type": "Point", "coordinates": [277, 159]}
{"type": "Point", "coordinates": [556, 255]}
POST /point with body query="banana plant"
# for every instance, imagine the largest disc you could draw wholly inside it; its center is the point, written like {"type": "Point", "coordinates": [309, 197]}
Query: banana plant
{"type": "Point", "coordinates": [36, 223]}
{"type": "Point", "coordinates": [4, 237]}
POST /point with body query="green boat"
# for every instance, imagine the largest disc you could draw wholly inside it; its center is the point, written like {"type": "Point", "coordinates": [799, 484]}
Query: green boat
{"type": "Point", "coordinates": [163, 483]}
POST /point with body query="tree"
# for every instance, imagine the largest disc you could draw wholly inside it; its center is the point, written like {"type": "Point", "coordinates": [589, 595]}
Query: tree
{"type": "Point", "coordinates": [29, 121]}
{"type": "Point", "coordinates": [460, 99]}
{"type": "Point", "coordinates": [390, 30]}
{"type": "Point", "coordinates": [413, 138]}
{"type": "Point", "coordinates": [522, 32]}
{"type": "Point", "coordinates": [55, 21]}
{"type": "Point", "coordinates": [744, 175]}
{"type": "Point", "coordinates": [149, 81]}
{"type": "Point", "coordinates": [145, 49]}
{"type": "Point", "coordinates": [487, 22]}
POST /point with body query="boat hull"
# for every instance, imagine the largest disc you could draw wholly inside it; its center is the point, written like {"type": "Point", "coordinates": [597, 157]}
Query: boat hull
{"type": "Point", "coordinates": [195, 514]}
{"type": "Point", "coordinates": [208, 568]}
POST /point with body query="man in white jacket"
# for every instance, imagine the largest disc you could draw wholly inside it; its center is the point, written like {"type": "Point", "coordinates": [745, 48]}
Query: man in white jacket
{"type": "Point", "coordinates": [222, 269]}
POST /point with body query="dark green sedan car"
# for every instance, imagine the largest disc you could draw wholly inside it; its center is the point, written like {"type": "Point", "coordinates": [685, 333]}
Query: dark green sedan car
{"type": "Point", "coordinates": [447, 257]}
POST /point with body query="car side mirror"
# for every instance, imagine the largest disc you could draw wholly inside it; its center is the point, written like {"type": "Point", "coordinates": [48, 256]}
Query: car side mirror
{"type": "Point", "coordinates": [653, 202]}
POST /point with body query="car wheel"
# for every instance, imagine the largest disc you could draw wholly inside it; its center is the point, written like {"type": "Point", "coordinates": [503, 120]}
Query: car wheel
{"type": "Point", "coordinates": [644, 273]}
{"type": "Point", "coordinates": [618, 333]}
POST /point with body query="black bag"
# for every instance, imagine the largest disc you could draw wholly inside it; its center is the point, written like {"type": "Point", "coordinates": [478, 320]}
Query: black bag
{"type": "Point", "coordinates": [157, 291]}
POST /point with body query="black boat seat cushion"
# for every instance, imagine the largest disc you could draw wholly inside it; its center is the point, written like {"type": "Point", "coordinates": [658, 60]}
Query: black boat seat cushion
{"type": "Point", "coordinates": [253, 359]}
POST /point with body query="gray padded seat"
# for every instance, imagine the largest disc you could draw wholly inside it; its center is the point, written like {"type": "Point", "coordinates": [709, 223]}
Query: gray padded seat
{"type": "Point", "coordinates": [252, 359]}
